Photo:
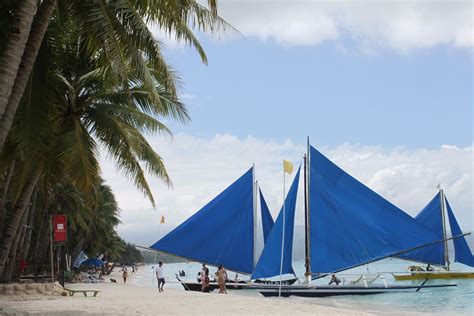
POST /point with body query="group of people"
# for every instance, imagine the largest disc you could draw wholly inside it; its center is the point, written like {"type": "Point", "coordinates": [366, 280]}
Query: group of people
{"type": "Point", "coordinates": [203, 277]}
{"type": "Point", "coordinates": [221, 276]}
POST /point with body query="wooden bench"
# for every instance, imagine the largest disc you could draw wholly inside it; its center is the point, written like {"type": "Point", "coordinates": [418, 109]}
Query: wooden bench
{"type": "Point", "coordinates": [72, 292]}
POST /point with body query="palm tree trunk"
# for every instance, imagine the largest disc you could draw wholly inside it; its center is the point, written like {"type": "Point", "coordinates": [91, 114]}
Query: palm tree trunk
{"type": "Point", "coordinates": [38, 29]}
{"type": "Point", "coordinates": [41, 228]}
{"type": "Point", "coordinates": [14, 253]}
{"type": "Point", "coordinates": [29, 227]}
{"type": "Point", "coordinates": [3, 194]}
{"type": "Point", "coordinates": [14, 48]}
{"type": "Point", "coordinates": [43, 251]}
{"type": "Point", "coordinates": [14, 219]}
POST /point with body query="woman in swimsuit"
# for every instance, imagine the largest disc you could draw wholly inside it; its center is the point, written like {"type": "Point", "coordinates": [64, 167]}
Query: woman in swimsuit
{"type": "Point", "coordinates": [221, 277]}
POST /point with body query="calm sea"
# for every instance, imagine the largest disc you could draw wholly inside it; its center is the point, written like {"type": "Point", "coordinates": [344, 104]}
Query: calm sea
{"type": "Point", "coordinates": [454, 300]}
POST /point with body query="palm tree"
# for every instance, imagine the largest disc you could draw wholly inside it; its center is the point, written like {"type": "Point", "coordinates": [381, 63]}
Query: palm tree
{"type": "Point", "coordinates": [15, 43]}
{"type": "Point", "coordinates": [79, 107]}
{"type": "Point", "coordinates": [116, 26]}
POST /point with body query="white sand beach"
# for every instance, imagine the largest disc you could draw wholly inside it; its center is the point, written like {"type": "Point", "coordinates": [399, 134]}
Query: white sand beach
{"type": "Point", "coordinates": [120, 299]}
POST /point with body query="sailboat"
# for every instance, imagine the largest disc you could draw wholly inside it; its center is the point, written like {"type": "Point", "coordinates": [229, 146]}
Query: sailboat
{"type": "Point", "coordinates": [222, 232]}
{"type": "Point", "coordinates": [433, 216]}
{"type": "Point", "coordinates": [348, 225]}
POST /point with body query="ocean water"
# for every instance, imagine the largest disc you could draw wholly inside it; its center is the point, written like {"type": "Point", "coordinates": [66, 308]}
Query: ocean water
{"type": "Point", "coordinates": [440, 301]}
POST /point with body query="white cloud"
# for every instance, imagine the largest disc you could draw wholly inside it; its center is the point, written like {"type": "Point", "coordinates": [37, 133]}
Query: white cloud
{"type": "Point", "coordinates": [202, 168]}
{"type": "Point", "coordinates": [400, 25]}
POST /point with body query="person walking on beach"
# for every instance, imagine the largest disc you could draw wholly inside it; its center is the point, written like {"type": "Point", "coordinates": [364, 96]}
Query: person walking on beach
{"type": "Point", "coordinates": [204, 278]}
{"type": "Point", "coordinates": [160, 275]}
{"type": "Point", "coordinates": [124, 276]}
{"type": "Point", "coordinates": [221, 277]}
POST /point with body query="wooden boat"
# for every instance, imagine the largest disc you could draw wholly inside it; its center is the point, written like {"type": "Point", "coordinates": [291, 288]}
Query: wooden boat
{"type": "Point", "coordinates": [435, 216]}
{"type": "Point", "coordinates": [232, 285]}
{"type": "Point", "coordinates": [347, 225]}
{"type": "Point", "coordinates": [325, 291]}
{"type": "Point", "coordinates": [207, 237]}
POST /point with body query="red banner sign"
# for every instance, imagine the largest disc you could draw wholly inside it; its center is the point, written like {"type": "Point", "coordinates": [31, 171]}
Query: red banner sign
{"type": "Point", "coordinates": [60, 228]}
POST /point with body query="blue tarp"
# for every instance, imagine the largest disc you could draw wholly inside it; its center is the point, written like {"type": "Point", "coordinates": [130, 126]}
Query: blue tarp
{"type": "Point", "coordinates": [431, 218]}
{"type": "Point", "coordinates": [219, 233]}
{"type": "Point", "coordinates": [267, 220]}
{"type": "Point", "coordinates": [350, 224]}
{"type": "Point", "coordinates": [269, 262]}
{"type": "Point", "coordinates": [462, 252]}
{"type": "Point", "coordinates": [93, 262]}
{"type": "Point", "coordinates": [80, 259]}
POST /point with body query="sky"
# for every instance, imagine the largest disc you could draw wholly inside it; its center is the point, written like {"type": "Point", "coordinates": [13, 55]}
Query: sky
{"type": "Point", "coordinates": [384, 89]}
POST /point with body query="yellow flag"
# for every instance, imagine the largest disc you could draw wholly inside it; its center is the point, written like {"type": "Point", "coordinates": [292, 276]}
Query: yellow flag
{"type": "Point", "coordinates": [287, 166]}
{"type": "Point", "coordinates": [162, 220]}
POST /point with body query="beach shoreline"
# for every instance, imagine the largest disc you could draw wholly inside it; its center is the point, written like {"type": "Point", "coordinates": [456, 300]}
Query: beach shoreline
{"type": "Point", "coordinates": [125, 299]}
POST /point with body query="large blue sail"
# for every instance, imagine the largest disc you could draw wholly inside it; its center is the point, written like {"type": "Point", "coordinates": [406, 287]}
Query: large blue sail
{"type": "Point", "coordinates": [350, 224]}
{"type": "Point", "coordinates": [267, 220]}
{"type": "Point", "coordinates": [269, 263]}
{"type": "Point", "coordinates": [221, 232]}
{"type": "Point", "coordinates": [462, 252]}
{"type": "Point", "coordinates": [432, 219]}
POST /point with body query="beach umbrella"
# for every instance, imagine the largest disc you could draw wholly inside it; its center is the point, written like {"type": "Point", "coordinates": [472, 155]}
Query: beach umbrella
{"type": "Point", "coordinates": [93, 262]}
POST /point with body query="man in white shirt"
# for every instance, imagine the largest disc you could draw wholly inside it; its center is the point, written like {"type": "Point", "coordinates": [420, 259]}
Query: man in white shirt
{"type": "Point", "coordinates": [160, 276]}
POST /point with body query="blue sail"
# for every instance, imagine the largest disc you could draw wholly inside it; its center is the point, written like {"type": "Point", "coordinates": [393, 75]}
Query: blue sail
{"type": "Point", "coordinates": [269, 263]}
{"type": "Point", "coordinates": [462, 252]}
{"type": "Point", "coordinates": [431, 218]}
{"type": "Point", "coordinates": [267, 220]}
{"type": "Point", "coordinates": [221, 232]}
{"type": "Point", "coordinates": [350, 224]}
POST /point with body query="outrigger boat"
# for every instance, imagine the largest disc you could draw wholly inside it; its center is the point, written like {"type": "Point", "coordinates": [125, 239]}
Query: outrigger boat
{"type": "Point", "coordinates": [235, 285]}
{"type": "Point", "coordinates": [433, 216]}
{"type": "Point", "coordinates": [224, 232]}
{"type": "Point", "coordinates": [346, 225]}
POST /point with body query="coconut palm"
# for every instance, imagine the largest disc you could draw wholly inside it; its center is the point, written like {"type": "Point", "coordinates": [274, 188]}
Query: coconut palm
{"type": "Point", "coordinates": [118, 27]}
{"type": "Point", "coordinates": [81, 107]}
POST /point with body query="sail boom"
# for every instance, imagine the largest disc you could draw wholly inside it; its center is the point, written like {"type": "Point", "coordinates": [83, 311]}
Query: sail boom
{"type": "Point", "coordinates": [391, 255]}
{"type": "Point", "coordinates": [187, 258]}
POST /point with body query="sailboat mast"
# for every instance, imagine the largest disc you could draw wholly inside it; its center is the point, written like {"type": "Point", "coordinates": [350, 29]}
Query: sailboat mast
{"type": "Point", "coordinates": [255, 184]}
{"type": "Point", "coordinates": [443, 218]}
{"type": "Point", "coordinates": [306, 215]}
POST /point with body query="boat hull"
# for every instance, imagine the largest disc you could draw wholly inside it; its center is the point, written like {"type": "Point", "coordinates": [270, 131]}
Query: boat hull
{"type": "Point", "coordinates": [345, 290]}
{"type": "Point", "coordinates": [433, 275]}
{"type": "Point", "coordinates": [258, 284]}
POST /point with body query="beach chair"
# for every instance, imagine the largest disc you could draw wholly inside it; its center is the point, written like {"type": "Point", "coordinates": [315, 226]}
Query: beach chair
{"type": "Point", "coordinates": [72, 292]}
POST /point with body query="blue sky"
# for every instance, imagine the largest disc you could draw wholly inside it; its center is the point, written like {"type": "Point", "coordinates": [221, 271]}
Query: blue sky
{"type": "Point", "coordinates": [396, 93]}
{"type": "Point", "coordinates": [269, 91]}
